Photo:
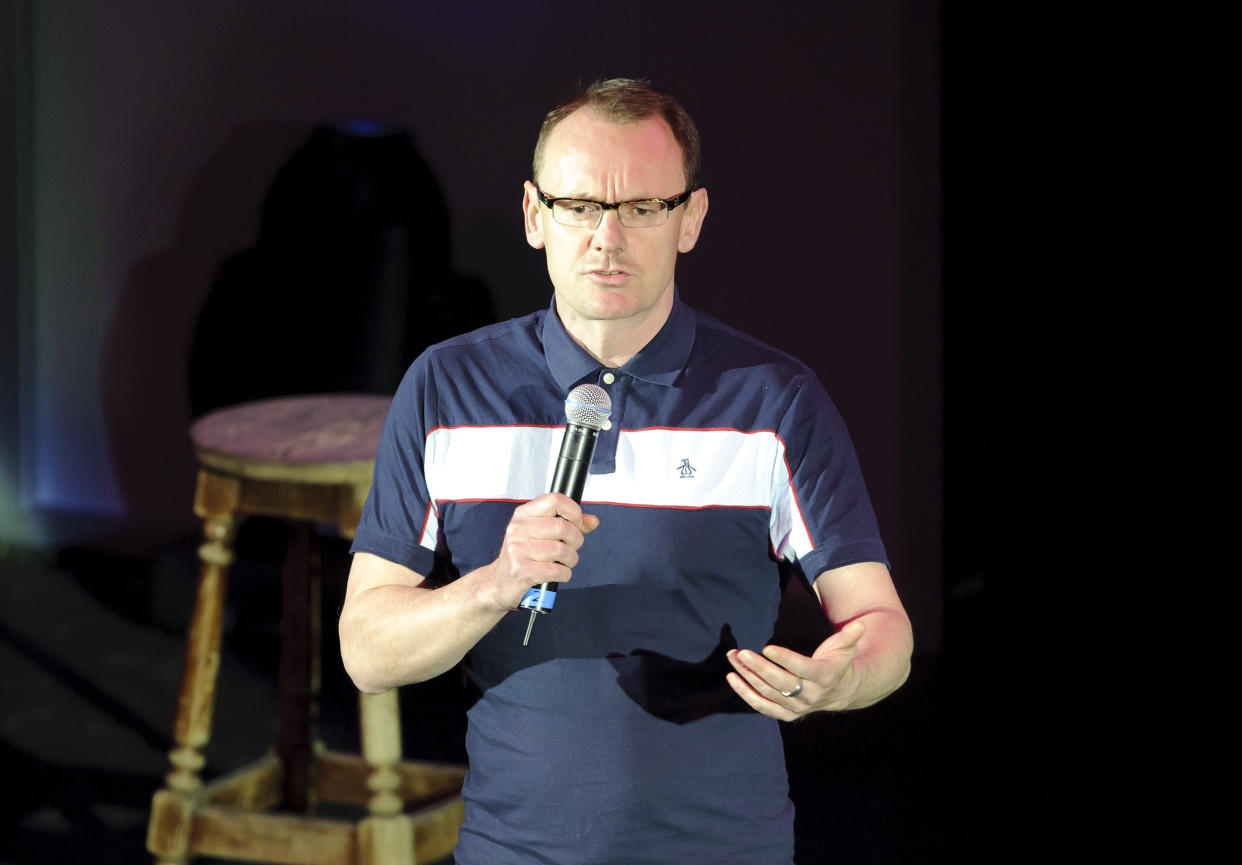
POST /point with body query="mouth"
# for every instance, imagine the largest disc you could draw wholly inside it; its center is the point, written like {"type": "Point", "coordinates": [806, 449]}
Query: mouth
{"type": "Point", "coordinates": [607, 276]}
{"type": "Point", "coordinates": [611, 278]}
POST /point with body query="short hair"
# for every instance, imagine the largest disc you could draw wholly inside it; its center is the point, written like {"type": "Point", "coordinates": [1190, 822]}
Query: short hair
{"type": "Point", "coordinates": [628, 100]}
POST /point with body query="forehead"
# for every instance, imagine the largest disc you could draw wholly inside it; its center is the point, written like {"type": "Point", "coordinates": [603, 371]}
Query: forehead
{"type": "Point", "coordinates": [587, 154]}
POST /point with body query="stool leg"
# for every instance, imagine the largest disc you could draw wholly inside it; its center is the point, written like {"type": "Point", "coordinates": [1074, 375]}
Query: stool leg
{"type": "Point", "coordinates": [298, 688]}
{"type": "Point", "coordinates": [386, 837]}
{"type": "Point", "coordinates": [197, 699]}
{"type": "Point", "coordinates": [172, 809]}
{"type": "Point", "coordinates": [315, 576]}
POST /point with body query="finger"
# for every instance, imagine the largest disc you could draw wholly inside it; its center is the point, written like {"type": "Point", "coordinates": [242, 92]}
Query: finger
{"type": "Point", "coordinates": [542, 539]}
{"type": "Point", "coordinates": [553, 541]}
{"type": "Point", "coordinates": [747, 662]}
{"type": "Point", "coordinates": [789, 661]}
{"type": "Point", "coordinates": [560, 530]}
{"type": "Point", "coordinates": [562, 506]}
{"type": "Point", "coordinates": [771, 680]}
{"type": "Point", "coordinates": [544, 527]}
{"type": "Point", "coordinates": [534, 561]}
{"type": "Point", "coordinates": [551, 505]}
{"type": "Point", "coordinates": [758, 702]}
{"type": "Point", "coordinates": [565, 508]}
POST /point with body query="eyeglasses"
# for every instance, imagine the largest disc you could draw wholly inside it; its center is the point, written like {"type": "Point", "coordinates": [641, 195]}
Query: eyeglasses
{"type": "Point", "coordinates": [583, 213]}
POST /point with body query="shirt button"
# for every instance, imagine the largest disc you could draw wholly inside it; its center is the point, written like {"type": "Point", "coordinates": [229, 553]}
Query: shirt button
{"type": "Point", "coordinates": [609, 378]}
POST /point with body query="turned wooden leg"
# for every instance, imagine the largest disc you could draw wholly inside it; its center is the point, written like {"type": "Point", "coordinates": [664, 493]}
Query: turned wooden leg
{"type": "Point", "coordinates": [293, 739]}
{"type": "Point", "coordinates": [216, 500]}
{"type": "Point", "coordinates": [315, 605]}
{"type": "Point", "coordinates": [197, 698]}
{"type": "Point", "coordinates": [387, 836]}
{"type": "Point", "coordinates": [168, 834]}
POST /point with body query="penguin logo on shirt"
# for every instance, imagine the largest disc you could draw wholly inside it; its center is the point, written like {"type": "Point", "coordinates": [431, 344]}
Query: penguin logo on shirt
{"type": "Point", "coordinates": [686, 470]}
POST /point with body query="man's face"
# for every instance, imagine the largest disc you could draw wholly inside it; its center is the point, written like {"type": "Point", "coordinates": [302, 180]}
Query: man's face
{"type": "Point", "coordinates": [612, 272]}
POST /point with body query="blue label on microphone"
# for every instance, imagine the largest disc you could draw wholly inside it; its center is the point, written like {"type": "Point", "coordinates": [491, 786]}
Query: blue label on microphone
{"type": "Point", "coordinates": [538, 599]}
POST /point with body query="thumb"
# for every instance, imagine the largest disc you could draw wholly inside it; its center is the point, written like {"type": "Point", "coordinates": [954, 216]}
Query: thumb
{"type": "Point", "coordinates": [846, 638]}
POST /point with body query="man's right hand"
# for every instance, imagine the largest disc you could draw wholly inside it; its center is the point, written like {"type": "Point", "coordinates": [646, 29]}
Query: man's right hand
{"type": "Point", "coordinates": [540, 546]}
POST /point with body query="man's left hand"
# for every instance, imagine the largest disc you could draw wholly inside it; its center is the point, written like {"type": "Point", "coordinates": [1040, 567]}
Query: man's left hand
{"type": "Point", "coordinates": [785, 685]}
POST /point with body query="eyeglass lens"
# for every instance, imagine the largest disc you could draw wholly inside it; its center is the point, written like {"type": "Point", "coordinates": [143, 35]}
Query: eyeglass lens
{"type": "Point", "coordinates": [636, 214]}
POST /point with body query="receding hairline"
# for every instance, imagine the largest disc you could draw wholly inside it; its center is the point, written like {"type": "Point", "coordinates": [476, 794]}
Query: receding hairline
{"type": "Point", "coordinates": [625, 101]}
{"type": "Point", "coordinates": [604, 117]}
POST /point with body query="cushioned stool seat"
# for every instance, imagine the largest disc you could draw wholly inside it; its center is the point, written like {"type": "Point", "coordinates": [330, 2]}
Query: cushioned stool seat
{"type": "Point", "coordinates": [306, 459]}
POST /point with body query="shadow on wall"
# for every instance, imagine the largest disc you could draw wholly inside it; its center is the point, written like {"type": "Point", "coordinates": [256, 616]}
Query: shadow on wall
{"type": "Point", "coordinates": [349, 279]}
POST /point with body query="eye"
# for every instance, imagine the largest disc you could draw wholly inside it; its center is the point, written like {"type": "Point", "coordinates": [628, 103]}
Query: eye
{"type": "Point", "coordinates": [641, 209]}
{"type": "Point", "coordinates": [578, 208]}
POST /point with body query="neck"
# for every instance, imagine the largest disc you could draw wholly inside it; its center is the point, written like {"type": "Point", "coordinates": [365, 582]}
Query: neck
{"type": "Point", "coordinates": [613, 342]}
{"type": "Point", "coordinates": [605, 347]}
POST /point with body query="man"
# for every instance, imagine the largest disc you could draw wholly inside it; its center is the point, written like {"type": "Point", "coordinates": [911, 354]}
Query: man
{"type": "Point", "coordinates": [637, 726]}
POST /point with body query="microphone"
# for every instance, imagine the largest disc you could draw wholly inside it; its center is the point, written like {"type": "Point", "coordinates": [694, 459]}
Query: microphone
{"type": "Point", "coordinates": [586, 411]}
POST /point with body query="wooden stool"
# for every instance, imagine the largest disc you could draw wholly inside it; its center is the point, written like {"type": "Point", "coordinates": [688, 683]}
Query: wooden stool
{"type": "Point", "coordinates": [305, 459]}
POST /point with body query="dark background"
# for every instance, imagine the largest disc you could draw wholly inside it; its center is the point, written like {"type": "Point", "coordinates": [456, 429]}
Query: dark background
{"type": "Point", "coordinates": [857, 159]}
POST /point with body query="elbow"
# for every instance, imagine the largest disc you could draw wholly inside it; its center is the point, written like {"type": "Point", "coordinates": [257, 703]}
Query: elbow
{"type": "Point", "coordinates": [903, 675]}
{"type": "Point", "coordinates": [897, 656]}
{"type": "Point", "coordinates": [363, 679]}
{"type": "Point", "coordinates": [358, 665]}
{"type": "Point", "coordinates": [905, 655]}
{"type": "Point", "coordinates": [358, 674]}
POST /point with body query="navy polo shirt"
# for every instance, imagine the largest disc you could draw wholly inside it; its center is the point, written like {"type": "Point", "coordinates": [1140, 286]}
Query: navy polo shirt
{"type": "Point", "coordinates": [613, 737]}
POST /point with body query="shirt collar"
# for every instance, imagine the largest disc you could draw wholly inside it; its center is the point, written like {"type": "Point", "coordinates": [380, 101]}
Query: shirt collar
{"type": "Point", "coordinates": [659, 361]}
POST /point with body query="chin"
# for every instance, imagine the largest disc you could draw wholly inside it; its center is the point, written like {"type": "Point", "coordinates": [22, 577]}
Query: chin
{"type": "Point", "coordinates": [619, 309]}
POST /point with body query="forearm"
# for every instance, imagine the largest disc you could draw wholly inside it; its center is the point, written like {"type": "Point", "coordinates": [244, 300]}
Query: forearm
{"type": "Point", "coordinates": [396, 629]}
{"type": "Point", "coordinates": [882, 663]}
{"type": "Point", "coordinates": [396, 634]}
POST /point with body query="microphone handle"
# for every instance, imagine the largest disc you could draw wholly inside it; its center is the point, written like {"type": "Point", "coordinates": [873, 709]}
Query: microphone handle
{"type": "Point", "coordinates": [574, 463]}
{"type": "Point", "coordinates": [572, 467]}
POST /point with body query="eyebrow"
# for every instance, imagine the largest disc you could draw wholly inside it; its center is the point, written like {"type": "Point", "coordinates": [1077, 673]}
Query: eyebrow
{"type": "Point", "coordinates": [581, 197]}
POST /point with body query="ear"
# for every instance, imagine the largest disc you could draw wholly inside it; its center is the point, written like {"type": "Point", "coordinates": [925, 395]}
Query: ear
{"type": "Point", "coordinates": [692, 221]}
{"type": "Point", "coordinates": [532, 216]}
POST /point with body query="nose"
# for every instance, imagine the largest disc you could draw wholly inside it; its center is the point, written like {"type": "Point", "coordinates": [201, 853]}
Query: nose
{"type": "Point", "coordinates": [609, 238]}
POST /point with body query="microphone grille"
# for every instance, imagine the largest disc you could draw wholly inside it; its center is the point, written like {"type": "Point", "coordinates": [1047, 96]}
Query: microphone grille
{"type": "Point", "coordinates": [588, 405]}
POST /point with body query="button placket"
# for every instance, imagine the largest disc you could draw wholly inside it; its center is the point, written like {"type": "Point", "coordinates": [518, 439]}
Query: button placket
{"type": "Point", "coordinates": [605, 459]}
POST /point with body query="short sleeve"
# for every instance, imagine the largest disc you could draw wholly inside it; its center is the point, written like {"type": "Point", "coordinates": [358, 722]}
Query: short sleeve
{"type": "Point", "coordinates": [822, 517]}
{"type": "Point", "coordinates": [398, 519]}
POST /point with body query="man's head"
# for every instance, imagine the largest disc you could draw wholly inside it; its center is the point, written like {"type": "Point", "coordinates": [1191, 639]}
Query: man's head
{"type": "Point", "coordinates": [613, 271]}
